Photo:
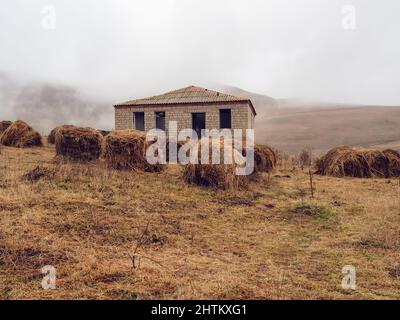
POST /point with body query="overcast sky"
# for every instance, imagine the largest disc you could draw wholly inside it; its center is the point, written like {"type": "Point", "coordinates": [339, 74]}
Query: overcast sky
{"type": "Point", "coordinates": [120, 49]}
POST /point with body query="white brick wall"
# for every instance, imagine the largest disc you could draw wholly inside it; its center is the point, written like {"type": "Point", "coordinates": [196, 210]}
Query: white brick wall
{"type": "Point", "coordinates": [242, 115]}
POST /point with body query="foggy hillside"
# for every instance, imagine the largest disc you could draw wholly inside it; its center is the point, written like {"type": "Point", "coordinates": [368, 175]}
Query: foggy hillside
{"type": "Point", "coordinates": [291, 125]}
{"type": "Point", "coordinates": [45, 106]}
{"type": "Point", "coordinates": [287, 124]}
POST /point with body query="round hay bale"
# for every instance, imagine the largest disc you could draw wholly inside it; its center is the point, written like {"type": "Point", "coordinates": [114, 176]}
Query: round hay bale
{"type": "Point", "coordinates": [344, 161]}
{"type": "Point", "coordinates": [20, 135]}
{"type": "Point", "coordinates": [126, 150]}
{"type": "Point", "coordinates": [361, 163]}
{"type": "Point", "coordinates": [264, 158]}
{"type": "Point", "coordinates": [51, 138]}
{"type": "Point", "coordinates": [4, 125]}
{"type": "Point", "coordinates": [393, 162]}
{"type": "Point", "coordinates": [218, 176]}
{"type": "Point", "coordinates": [78, 144]}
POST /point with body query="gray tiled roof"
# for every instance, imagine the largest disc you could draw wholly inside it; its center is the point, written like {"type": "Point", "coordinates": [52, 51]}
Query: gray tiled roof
{"type": "Point", "coordinates": [190, 94]}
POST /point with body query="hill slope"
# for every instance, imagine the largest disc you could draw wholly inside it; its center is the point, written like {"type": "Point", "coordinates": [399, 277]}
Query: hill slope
{"type": "Point", "coordinates": [292, 125]}
{"type": "Point", "coordinates": [292, 130]}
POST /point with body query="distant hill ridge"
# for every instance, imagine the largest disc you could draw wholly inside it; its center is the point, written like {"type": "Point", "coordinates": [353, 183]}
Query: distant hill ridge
{"type": "Point", "coordinates": [291, 125]}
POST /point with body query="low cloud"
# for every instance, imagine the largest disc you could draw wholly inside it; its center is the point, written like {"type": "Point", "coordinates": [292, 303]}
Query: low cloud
{"type": "Point", "coordinates": [45, 106]}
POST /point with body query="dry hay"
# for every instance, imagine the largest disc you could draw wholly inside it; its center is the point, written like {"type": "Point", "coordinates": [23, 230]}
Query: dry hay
{"type": "Point", "coordinates": [20, 135]}
{"type": "Point", "coordinates": [51, 138]}
{"type": "Point", "coordinates": [393, 162]}
{"type": "Point", "coordinates": [4, 125]}
{"type": "Point", "coordinates": [104, 133]}
{"type": "Point", "coordinates": [344, 161]}
{"type": "Point", "coordinates": [78, 144]}
{"type": "Point", "coordinates": [377, 161]}
{"type": "Point", "coordinates": [126, 150]}
{"type": "Point", "coordinates": [218, 176]}
{"type": "Point", "coordinates": [264, 158]}
{"type": "Point", "coordinates": [168, 145]}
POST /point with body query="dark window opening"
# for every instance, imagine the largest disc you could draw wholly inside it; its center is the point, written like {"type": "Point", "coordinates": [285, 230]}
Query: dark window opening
{"type": "Point", "coordinates": [139, 120]}
{"type": "Point", "coordinates": [198, 122]}
{"type": "Point", "coordinates": [160, 120]}
{"type": "Point", "coordinates": [225, 119]}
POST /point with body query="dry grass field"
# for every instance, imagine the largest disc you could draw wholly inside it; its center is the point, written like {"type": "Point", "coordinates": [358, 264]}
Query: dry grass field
{"type": "Point", "coordinates": [272, 242]}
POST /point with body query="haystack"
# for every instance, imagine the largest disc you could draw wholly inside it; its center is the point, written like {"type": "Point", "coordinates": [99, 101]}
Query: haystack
{"type": "Point", "coordinates": [4, 125]}
{"type": "Point", "coordinates": [361, 163]}
{"type": "Point", "coordinates": [344, 161]}
{"type": "Point", "coordinates": [126, 150]}
{"type": "Point", "coordinates": [104, 132]}
{"type": "Point", "coordinates": [264, 158]}
{"type": "Point", "coordinates": [218, 176]}
{"type": "Point", "coordinates": [20, 135]}
{"type": "Point", "coordinates": [377, 161]}
{"type": "Point", "coordinates": [51, 138]}
{"type": "Point", "coordinates": [393, 162]}
{"type": "Point", "coordinates": [78, 144]}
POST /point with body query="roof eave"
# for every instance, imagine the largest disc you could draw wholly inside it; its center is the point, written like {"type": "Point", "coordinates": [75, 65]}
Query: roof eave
{"type": "Point", "coordinates": [252, 107]}
{"type": "Point", "coordinates": [186, 103]}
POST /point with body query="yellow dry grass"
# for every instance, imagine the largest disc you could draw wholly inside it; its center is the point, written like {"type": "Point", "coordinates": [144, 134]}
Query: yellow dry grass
{"type": "Point", "coordinates": [269, 242]}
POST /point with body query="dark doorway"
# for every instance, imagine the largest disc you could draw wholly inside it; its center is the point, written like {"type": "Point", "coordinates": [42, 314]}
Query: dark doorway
{"type": "Point", "coordinates": [139, 120]}
{"type": "Point", "coordinates": [160, 120]}
{"type": "Point", "coordinates": [198, 122]}
{"type": "Point", "coordinates": [225, 119]}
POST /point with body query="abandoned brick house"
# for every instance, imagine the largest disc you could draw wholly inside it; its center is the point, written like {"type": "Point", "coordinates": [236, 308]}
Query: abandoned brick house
{"type": "Point", "coordinates": [191, 107]}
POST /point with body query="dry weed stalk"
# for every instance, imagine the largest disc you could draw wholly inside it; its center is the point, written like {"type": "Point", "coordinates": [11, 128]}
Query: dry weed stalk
{"type": "Point", "coordinates": [311, 182]}
{"type": "Point", "coordinates": [310, 172]}
{"type": "Point", "coordinates": [135, 257]}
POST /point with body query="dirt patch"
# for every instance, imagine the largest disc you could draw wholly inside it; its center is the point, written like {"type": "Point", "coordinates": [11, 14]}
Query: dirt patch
{"type": "Point", "coordinates": [232, 200]}
{"type": "Point", "coordinates": [30, 257]}
{"type": "Point", "coordinates": [394, 272]}
{"type": "Point", "coordinates": [38, 173]}
{"type": "Point", "coordinates": [317, 212]}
